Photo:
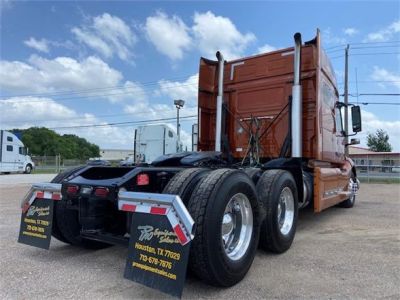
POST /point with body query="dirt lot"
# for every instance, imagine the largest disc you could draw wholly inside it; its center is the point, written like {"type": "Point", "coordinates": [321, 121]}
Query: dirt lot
{"type": "Point", "coordinates": [340, 253]}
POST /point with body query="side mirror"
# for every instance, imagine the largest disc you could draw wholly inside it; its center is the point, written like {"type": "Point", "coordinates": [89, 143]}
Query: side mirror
{"type": "Point", "coordinates": [356, 118]}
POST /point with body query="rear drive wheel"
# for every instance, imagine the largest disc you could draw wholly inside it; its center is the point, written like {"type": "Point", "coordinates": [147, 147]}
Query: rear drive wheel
{"type": "Point", "coordinates": [66, 226]}
{"type": "Point", "coordinates": [184, 182]}
{"type": "Point", "coordinates": [278, 193]}
{"type": "Point", "coordinates": [225, 209]}
{"type": "Point", "coordinates": [253, 173]}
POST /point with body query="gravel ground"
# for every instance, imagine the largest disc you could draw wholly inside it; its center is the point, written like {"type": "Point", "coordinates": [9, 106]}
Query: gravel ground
{"type": "Point", "coordinates": [340, 253]}
{"type": "Point", "coordinates": [18, 179]}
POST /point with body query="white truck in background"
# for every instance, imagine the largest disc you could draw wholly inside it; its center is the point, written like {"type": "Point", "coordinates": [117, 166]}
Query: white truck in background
{"type": "Point", "coordinates": [13, 154]}
{"type": "Point", "coordinates": [152, 141]}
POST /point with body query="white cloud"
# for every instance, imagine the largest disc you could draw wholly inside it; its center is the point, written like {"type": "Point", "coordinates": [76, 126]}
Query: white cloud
{"type": "Point", "coordinates": [108, 35]}
{"type": "Point", "coordinates": [154, 111]}
{"type": "Point", "coordinates": [208, 34]}
{"type": "Point", "coordinates": [39, 45]}
{"type": "Point", "coordinates": [384, 34]}
{"type": "Point", "coordinates": [350, 31]}
{"type": "Point", "coordinates": [266, 48]}
{"type": "Point", "coordinates": [170, 36]}
{"type": "Point", "coordinates": [216, 33]}
{"type": "Point", "coordinates": [339, 74]}
{"type": "Point", "coordinates": [186, 90]}
{"type": "Point", "coordinates": [329, 38]}
{"type": "Point", "coordinates": [31, 109]}
{"type": "Point", "coordinates": [148, 111]}
{"type": "Point", "coordinates": [130, 91]}
{"type": "Point", "coordinates": [5, 4]}
{"type": "Point", "coordinates": [62, 73]}
{"type": "Point", "coordinates": [387, 77]}
{"type": "Point", "coordinates": [90, 77]}
{"type": "Point", "coordinates": [370, 123]}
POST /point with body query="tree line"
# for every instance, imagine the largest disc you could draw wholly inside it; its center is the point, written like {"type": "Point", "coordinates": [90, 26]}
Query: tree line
{"type": "Point", "coordinates": [42, 141]}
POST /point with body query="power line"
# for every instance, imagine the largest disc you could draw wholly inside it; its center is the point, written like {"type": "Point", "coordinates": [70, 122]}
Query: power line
{"type": "Point", "coordinates": [100, 96]}
{"type": "Point", "coordinates": [372, 94]}
{"type": "Point", "coordinates": [362, 43]}
{"type": "Point", "coordinates": [116, 87]}
{"type": "Point", "coordinates": [129, 125]}
{"type": "Point", "coordinates": [361, 47]}
{"type": "Point", "coordinates": [371, 53]}
{"type": "Point", "coordinates": [372, 81]}
{"type": "Point", "coordinates": [123, 123]}
{"type": "Point", "coordinates": [374, 43]}
{"type": "Point", "coordinates": [375, 53]}
{"type": "Point", "coordinates": [376, 103]}
{"type": "Point", "coordinates": [375, 94]}
{"type": "Point", "coordinates": [374, 47]}
{"type": "Point", "coordinates": [339, 56]}
{"type": "Point", "coordinates": [67, 119]}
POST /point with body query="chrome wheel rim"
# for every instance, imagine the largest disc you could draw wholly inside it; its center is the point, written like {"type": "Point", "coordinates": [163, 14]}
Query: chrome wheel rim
{"type": "Point", "coordinates": [285, 211]}
{"type": "Point", "coordinates": [237, 226]}
{"type": "Point", "coordinates": [353, 189]}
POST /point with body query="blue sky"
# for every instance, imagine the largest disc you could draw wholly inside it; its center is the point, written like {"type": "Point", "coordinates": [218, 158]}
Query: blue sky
{"type": "Point", "coordinates": [80, 63]}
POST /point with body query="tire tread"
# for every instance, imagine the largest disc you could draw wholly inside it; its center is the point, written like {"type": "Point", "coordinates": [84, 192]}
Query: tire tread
{"type": "Point", "coordinates": [265, 186]}
{"type": "Point", "coordinates": [197, 209]}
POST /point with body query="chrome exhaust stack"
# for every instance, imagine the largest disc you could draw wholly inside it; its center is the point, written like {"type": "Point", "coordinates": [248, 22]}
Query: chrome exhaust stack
{"type": "Point", "coordinates": [218, 121]}
{"type": "Point", "coordinates": [297, 103]}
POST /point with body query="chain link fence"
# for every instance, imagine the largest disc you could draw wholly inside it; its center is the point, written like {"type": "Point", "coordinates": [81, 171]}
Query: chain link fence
{"type": "Point", "coordinates": [371, 168]}
{"type": "Point", "coordinates": [54, 164]}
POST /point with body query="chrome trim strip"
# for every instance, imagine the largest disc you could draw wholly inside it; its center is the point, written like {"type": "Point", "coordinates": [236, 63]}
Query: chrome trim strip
{"type": "Point", "coordinates": [233, 66]}
{"type": "Point", "coordinates": [162, 199]}
{"type": "Point", "coordinates": [45, 187]}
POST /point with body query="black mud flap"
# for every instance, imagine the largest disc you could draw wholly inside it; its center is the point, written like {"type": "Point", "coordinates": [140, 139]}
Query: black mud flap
{"type": "Point", "coordinates": [159, 242]}
{"type": "Point", "coordinates": [37, 215]}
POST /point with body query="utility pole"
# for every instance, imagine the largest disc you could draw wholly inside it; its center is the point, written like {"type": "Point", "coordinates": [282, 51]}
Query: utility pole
{"type": "Point", "coordinates": [178, 104]}
{"type": "Point", "coordinates": [346, 99]}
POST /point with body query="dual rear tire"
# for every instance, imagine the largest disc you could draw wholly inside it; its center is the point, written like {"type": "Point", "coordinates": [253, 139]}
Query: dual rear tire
{"type": "Point", "coordinates": [229, 216]}
{"type": "Point", "coordinates": [226, 212]}
{"type": "Point", "coordinates": [277, 193]}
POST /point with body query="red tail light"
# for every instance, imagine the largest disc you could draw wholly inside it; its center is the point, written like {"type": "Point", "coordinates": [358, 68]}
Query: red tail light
{"type": "Point", "coordinates": [72, 189]}
{"type": "Point", "coordinates": [101, 192]}
{"type": "Point", "coordinates": [142, 179]}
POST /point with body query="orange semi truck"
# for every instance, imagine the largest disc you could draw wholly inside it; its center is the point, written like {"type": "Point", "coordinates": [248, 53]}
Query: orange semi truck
{"type": "Point", "coordinates": [270, 142]}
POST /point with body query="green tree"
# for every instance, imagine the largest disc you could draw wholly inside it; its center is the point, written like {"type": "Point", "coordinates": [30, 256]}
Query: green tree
{"type": "Point", "coordinates": [43, 141]}
{"type": "Point", "coordinates": [379, 142]}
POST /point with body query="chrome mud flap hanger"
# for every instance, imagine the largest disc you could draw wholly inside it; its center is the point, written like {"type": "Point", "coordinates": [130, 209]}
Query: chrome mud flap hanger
{"type": "Point", "coordinates": [167, 205]}
{"type": "Point", "coordinates": [44, 190]}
